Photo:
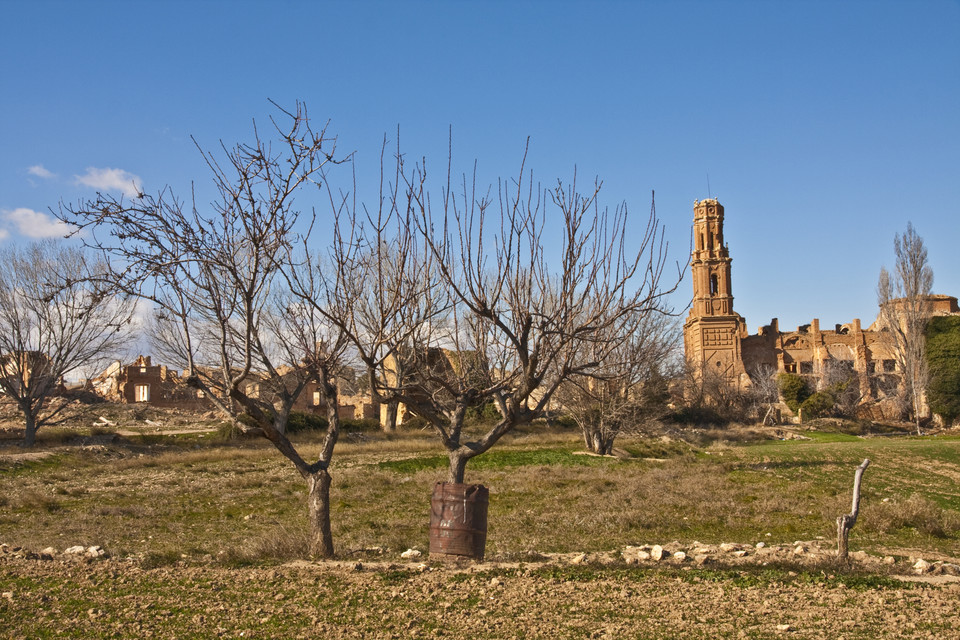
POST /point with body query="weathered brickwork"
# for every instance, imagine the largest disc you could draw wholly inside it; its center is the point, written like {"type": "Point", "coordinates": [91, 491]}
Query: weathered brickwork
{"type": "Point", "coordinates": [716, 339]}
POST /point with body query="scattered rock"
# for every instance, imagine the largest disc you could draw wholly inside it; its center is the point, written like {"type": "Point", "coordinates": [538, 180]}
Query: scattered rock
{"type": "Point", "coordinates": [680, 556]}
{"type": "Point", "coordinates": [799, 550]}
{"type": "Point", "coordinates": [889, 560]}
{"type": "Point", "coordinates": [761, 545]}
{"type": "Point", "coordinates": [411, 554]}
{"type": "Point", "coordinates": [726, 547]}
{"type": "Point", "coordinates": [495, 582]}
{"type": "Point", "coordinates": [658, 553]}
{"type": "Point", "coordinates": [77, 550]}
{"type": "Point", "coordinates": [580, 558]}
{"type": "Point", "coordinates": [921, 566]}
{"type": "Point", "coordinates": [48, 553]}
{"type": "Point", "coordinates": [784, 627]}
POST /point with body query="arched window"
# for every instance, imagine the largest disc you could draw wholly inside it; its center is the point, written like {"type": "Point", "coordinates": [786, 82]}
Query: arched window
{"type": "Point", "coordinates": [714, 284]}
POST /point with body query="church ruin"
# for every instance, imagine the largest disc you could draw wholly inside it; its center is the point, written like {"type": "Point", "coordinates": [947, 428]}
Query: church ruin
{"type": "Point", "coordinates": [718, 344]}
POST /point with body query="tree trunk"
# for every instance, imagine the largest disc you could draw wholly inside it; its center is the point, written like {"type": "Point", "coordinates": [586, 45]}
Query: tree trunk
{"type": "Point", "coordinates": [846, 522]}
{"type": "Point", "coordinates": [599, 443]}
{"type": "Point", "coordinates": [458, 467]}
{"type": "Point", "coordinates": [318, 500]}
{"type": "Point", "coordinates": [390, 416]}
{"type": "Point", "coordinates": [30, 430]}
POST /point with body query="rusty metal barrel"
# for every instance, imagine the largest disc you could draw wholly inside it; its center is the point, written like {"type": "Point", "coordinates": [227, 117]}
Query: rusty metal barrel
{"type": "Point", "coordinates": [458, 520]}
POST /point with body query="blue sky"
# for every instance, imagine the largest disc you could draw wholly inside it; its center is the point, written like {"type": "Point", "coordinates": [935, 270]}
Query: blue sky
{"type": "Point", "coordinates": [822, 127]}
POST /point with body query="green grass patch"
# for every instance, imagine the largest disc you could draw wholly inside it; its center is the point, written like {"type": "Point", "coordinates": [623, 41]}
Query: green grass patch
{"type": "Point", "coordinates": [499, 459]}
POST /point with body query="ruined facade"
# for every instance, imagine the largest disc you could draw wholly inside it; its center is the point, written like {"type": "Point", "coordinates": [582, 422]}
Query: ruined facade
{"type": "Point", "coordinates": [717, 342]}
{"type": "Point", "coordinates": [142, 382]}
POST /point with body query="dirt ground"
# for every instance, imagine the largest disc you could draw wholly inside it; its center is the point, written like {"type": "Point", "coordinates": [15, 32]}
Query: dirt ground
{"type": "Point", "coordinates": [111, 598]}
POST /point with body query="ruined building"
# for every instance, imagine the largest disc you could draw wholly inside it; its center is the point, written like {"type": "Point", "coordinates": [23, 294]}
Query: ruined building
{"type": "Point", "coordinates": [717, 343]}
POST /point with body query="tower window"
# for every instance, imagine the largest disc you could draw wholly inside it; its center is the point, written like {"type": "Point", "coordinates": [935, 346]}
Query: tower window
{"type": "Point", "coordinates": [714, 285]}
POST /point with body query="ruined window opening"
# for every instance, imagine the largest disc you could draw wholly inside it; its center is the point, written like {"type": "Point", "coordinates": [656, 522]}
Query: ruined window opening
{"type": "Point", "coordinates": [143, 369]}
{"type": "Point", "coordinates": [714, 285]}
{"type": "Point", "coordinates": [806, 367]}
{"type": "Point", "coordinates": [141, 393]}
{"type": "Point", "coordinates": [790, 367]}
{"type": "Point", "coordinates": [889, 366]}
{"type": "Point", "coordinates": [316, 398]}
{"type": "Point", "coordinates": [871, 368]}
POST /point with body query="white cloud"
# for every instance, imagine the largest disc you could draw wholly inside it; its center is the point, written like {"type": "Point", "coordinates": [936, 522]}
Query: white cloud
{"type": "Point", "coordinates": [111, 180]}
{"type": "Point", "coordinates": [4, 234]}
{"type": "Point", "coordinates": [41, 172]}
{"type": "Point", "coordinates": [35, 224]}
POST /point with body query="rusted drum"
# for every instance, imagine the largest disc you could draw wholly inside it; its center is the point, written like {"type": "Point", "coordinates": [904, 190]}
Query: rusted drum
{"type": "Point", "coordinates": [458, 520]}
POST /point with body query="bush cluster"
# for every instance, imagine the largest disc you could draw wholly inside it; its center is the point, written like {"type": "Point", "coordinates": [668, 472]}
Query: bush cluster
{"type": "Point", "coordinates": [943, 358]}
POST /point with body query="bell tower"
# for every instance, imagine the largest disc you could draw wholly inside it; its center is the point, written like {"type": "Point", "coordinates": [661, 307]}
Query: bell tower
{"type": "Point", "coordinates": [712, 332]}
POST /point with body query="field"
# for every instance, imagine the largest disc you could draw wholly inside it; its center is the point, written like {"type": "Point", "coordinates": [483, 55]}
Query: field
{"type": "Point", "coordinates": [205, 537]}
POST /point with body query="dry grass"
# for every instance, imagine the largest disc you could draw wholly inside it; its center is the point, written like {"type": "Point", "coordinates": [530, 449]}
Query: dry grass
{"type": "Point", "coordinates": [242, 501]}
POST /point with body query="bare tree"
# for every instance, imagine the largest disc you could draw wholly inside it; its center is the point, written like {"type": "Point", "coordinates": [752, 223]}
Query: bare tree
{"type": "Point", "coordinates": [466, 304]}
{"type": "Point", "coordinates": [217, 281]}
{"type": "Point", "coordinates": [904, 311]}
{"type": "Point", "coordinates": [765, 392]}
{"type": "Point", "coordinates": [840, 380]}
{"type": "Point", "coordinates": [522, 317]}
{"type": "Point", "coordinates": [56, 316]}
{"type": "Point", "coordinates": [628, 389]}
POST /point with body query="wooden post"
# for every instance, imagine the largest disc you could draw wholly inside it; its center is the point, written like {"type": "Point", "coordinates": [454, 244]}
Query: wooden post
{"type": "Point", "coordinates": [846, 521]}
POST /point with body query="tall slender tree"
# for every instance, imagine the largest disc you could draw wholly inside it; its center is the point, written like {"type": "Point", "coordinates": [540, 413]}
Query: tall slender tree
{"type": "Point", "coordinates": [904, 299]}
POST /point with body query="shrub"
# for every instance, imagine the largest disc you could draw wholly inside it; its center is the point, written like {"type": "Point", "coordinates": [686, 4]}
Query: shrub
{"type": "Point", "coordinates": [563, 422]}
{"type": "Point", "coordinates": [817, 405]}
{"type": "Point", "coordinates": [793, 389]}
{"type": "Point", "coordinates": [485, 413]}
{"type": "Point", "coordinates": [697, 415]}
{"type": "Point", "coordinates": [943, 358]}
{"type": "Point", "coordinates": [363, 424]}
{"type": "Point", "coordinates": [300, 421]}
{"type": "Point", "coordinates": [413, 422]}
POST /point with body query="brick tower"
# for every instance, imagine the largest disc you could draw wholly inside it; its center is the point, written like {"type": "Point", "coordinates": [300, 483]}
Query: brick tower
{"type": "Point", "coordinates": [712, 332]}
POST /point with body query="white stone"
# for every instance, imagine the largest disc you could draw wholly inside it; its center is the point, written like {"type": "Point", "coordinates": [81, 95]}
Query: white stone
{"type": "Point", "coordinates": [761, 545]}
{"type": "Point", "coordinates": [680, 556]}
{"type": "Point", "coordinates": [580, 558]}
{"type": "Point", "coordinates": [658, 553]}
{"type": "Point", "coordinates": [410, 554]}
{"type": "Point", "coordinates": [727, 547]}
{"type": "Point", "coordinates": [922, 566]}
{"type": "Point", "coordinates": [740, 554]}
{"type": "Point", "coordinates": [75, 550]}
{"type": "Point", "coordinates": [49, 551]}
